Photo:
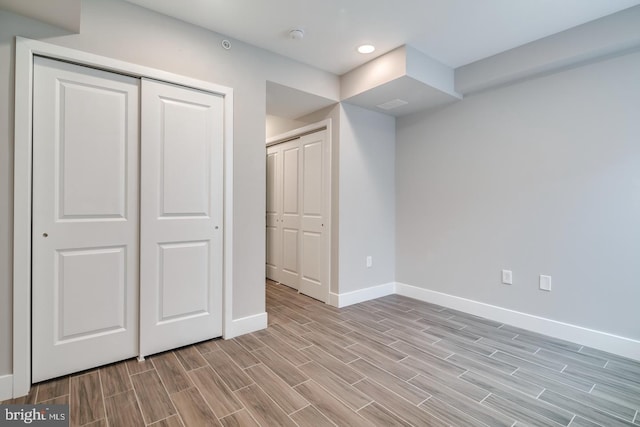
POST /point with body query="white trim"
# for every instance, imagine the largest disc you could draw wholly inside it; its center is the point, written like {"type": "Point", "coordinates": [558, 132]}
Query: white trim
{"type": "Point", "coordinates": [592, 338]}
{"type": "Point", "coordinates": [298, 132]}
{"type": "Point", "coordinates": [246, 325]}
{"type": "Point", "coordinates": [227, 287]}
{"type": "Point", "coordinates": [22, 220]}
{"type": "Point", "coordinates": [6, 387]}
{"type": "Point", "coordinates": [361, 295]}
{"type": "Point", "coordinates": [25, 50]}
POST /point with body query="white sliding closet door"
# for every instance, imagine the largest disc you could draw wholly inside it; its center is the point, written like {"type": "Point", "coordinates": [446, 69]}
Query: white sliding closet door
{"type": "Point", "coordinates": [298, 198]}
{"type": "Point", "coordinates": [290, 214]}
{"type": "Point", "coordinates": [85, 218]}
{"type": "Point", "coordinates": [181, 216]}
{"type": "Point", "coordinates": [274, 226]}
{"type": "Point", "coordinates": [314, 183]}
{"type": "Point", "coordinates": [283, 213]}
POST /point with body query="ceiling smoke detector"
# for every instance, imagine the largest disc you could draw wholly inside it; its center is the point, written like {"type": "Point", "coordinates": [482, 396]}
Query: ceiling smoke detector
{"type": "Point", "coordinates": [296, 34]}
{"type": "Point", "coordinates": [394, 103]}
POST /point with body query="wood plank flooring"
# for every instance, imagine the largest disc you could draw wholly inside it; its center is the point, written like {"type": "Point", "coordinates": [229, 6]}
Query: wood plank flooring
{"type": "Point", "coordinates": [392, 361]}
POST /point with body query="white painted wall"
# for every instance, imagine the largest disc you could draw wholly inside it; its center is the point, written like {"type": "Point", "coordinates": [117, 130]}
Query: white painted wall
{"type": "Point", "coordinates": [278, 125]}
{"type": "Point", "coordinates": [123, 31]}
{"type": "Point", "coordinates": [366, 198]}
{"type": "Point", "coordinates": [383, 69]}
{"type": "Point", "coordinates": [540, 177]}
{"type": "Point", "coordinates": [65, 14]}
{"type": "Point", "coordinates": [10, 24]}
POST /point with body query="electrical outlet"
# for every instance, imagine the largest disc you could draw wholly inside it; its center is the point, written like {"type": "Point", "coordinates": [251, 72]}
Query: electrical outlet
{"type": "Point", "coordinates": [545, 282]}
{"type": "Point", "coordinates": [369, 261]}
{"type": "Point", "coordinates": [507, 277]}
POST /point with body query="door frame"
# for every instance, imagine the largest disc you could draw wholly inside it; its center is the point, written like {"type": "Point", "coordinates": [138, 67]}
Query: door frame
{"type": "Point", "coordinates": [26, 49]}
{"type": "Point", "coordinates": [298, 133]}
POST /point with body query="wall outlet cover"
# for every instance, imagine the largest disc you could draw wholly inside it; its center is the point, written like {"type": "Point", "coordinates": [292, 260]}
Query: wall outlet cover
{"type": "Point", "coordinates": [507, 277]}
{"type": "Point", "coordinates": [545, 282]}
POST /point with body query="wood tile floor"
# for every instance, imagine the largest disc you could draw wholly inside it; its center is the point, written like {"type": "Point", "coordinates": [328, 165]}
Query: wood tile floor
{"type": "Point", "coordinates": [393, 361]}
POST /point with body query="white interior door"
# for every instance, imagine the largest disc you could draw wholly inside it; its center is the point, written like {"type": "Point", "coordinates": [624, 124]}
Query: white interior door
{"type": "Point", "coordinates": [85, 218]}
{"type": "Point", "coordinates": [283, 213]}
{"type": "Point", "coordinates": [181, 216]}
{"type": "Point", "coordinates": [314, 203]}
{"type": "Point", "coordinates": [298, 202]}
{"type": "Point", "coordinates": [290, 214]}
{"type": "Point", "coordinates": [274, 227]}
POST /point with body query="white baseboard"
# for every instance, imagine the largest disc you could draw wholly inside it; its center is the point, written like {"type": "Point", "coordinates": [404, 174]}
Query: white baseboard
{"type": "Point", "coordinates": [600, 340]}
{"type": "Point", "coordinates": [246, 325]}
{"type": "Point", "coordinates": [6, 387]}
{"type": "Point", "coordinates": [366, 294]}
{"type": "Point", "coordinates": [597, 339]}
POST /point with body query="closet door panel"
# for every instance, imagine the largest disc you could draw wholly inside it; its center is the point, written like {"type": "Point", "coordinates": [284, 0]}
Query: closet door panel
{"type": "Point", "coordinates": [181, 216]}
{"type": "Point", "coordinates": [186, 159]}
{"type": "Point", "coordinates": [180, 263]}
{"type": "Point", "coordinates": [273, 230]}
{"type": "Point", "coordinates": [290, 250]}
{"type": "Point", "coordinates": [314, 272]}
{"type": "Point", "coordinates": [290, 214]}
{"type": "Point", "coordinates": [85, 218]}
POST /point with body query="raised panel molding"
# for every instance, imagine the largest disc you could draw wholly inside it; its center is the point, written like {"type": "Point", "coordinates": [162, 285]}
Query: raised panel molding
{"type": "Point", "coordinates": [311, 255]}
{"type": "Point", "coordinates": [311, 180]}
{"type": "Point", "coordinates": [185, 159]}
{"type": "Point", "coordinates": [290, 186]}
{"type": "Point", "coordinates": [92, 170]}
{"type": "Point", "coordinates": [90, 275]}
{"type": "Point", "coordinates": [177, 261]}
{"type": "Point", "coordinates": [290, 250]}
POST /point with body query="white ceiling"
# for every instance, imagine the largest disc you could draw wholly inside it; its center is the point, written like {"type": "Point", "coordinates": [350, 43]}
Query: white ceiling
{"type": "Point", "coordinates": [454, 32]}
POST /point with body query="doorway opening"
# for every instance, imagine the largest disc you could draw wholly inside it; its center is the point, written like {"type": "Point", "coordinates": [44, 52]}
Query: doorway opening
{"type": "Point", "coordinates": [298, 191]}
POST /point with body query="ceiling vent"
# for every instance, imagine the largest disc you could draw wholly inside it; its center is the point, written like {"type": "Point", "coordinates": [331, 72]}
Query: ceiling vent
{"type": "Point", "coordinates": [394, 103]}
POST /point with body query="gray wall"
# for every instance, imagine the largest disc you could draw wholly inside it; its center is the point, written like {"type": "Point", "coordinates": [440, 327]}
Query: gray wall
{"type": "Point", "coordinates": [278, 125]}
{"type": "Point", "coordinates": [367, 198]}
{"type": "Point", "coordinates": [363, 196]}
{"type": "Point", "coordinates": [126, 32]}
{"type": "Point", "coordinates": [540, 177]}
{"type": "Point", "coordinates": [10, 25]}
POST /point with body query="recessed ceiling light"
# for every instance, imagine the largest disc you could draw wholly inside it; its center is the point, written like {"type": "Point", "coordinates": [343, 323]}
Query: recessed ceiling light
{"type": "Point", "coordinates": [366, 48]}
